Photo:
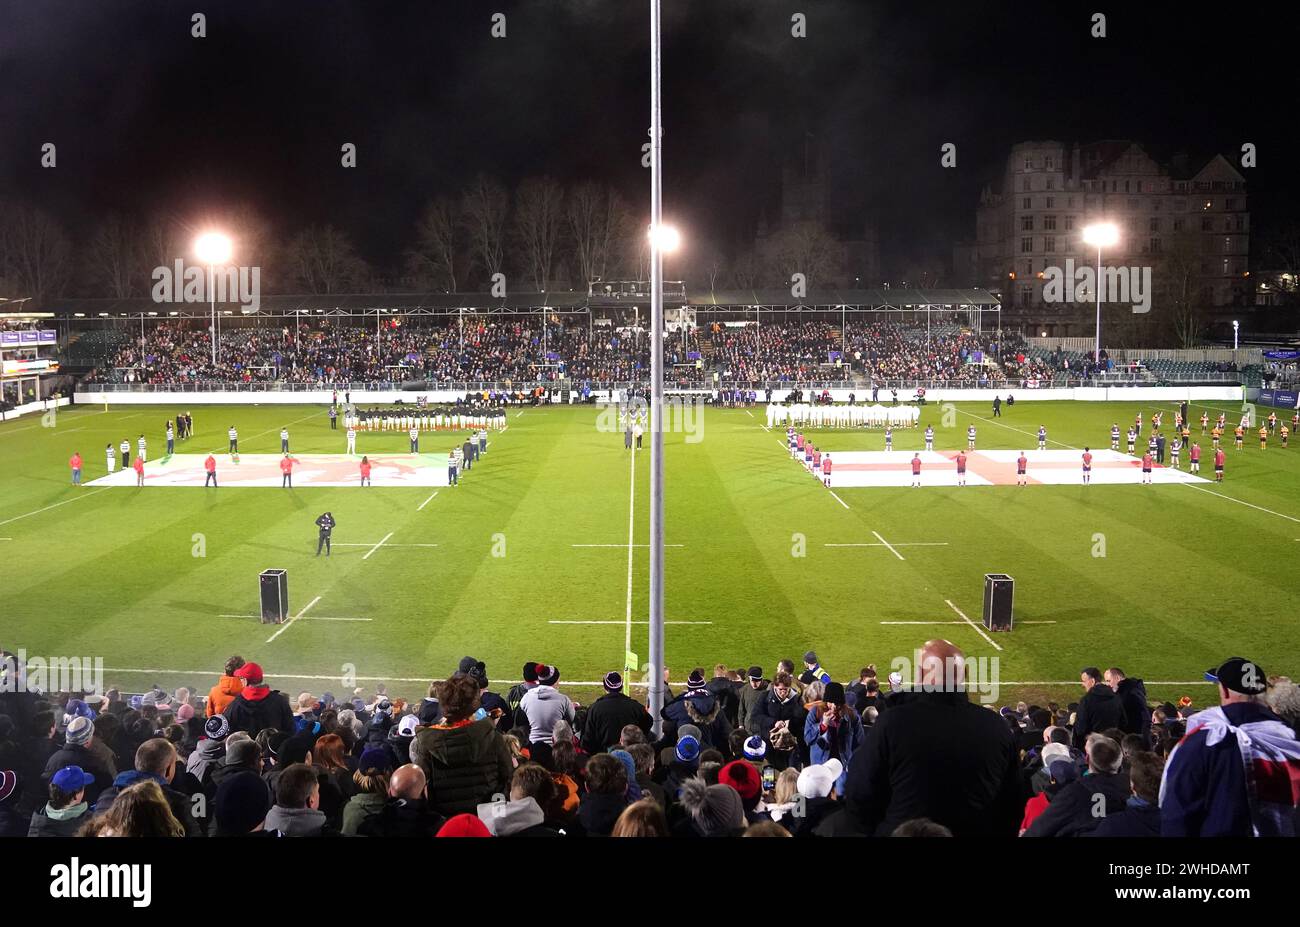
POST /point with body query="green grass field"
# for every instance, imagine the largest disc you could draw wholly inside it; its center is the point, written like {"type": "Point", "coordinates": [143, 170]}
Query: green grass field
{"type": "Point", "coordinates": [1189, 577]}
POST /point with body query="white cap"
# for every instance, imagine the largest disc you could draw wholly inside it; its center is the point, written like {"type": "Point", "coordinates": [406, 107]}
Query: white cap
{"type": "Point", "coordinates": [818, 780]}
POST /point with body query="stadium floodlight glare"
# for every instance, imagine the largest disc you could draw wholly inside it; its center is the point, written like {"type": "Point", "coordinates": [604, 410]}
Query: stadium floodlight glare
{"type": "Point", "coordinates": [666, 239]}
{"type": "Point", "coordinates": [1100, 235]}
{"type": "Point", "coordinates": [213, 248]}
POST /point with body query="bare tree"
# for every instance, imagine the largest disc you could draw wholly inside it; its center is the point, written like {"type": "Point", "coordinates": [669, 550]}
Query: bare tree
{"type": "Point", "coordinates": [323, 260]}
{"type": "Point", "coordinates": [35, 252]}
{"type": "Point", "coordinates": [805, 248]}
{"type": "Point", "coordinates": [113, 257]}
{"type": "Point", "coordinates": [485, 205]}
{"type": "Point", "coordinates": [539, 214]}
{"type": "Point", "coordinates": [1179, 268]}
{"type": "Point", "coordinates": [438, 237]}
{"type": "Point", "coordinates": [597, 219]}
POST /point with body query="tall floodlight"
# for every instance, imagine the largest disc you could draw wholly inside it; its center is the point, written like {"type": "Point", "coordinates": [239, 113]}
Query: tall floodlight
{"type": "Point", "coordinates": [1100, 235]}
{"type": "Point", "coordinates": [657, 241]}
{"type": "Point", "coordinates": [213, 248]}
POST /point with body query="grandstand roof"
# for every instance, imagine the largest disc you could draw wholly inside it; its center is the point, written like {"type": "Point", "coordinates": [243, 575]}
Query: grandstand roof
{"type": "Point", "coordinates": [439, 303]}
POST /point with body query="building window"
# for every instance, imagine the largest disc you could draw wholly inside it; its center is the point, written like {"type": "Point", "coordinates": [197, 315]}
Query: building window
{"type": "Point", "coordinates": [1049, 162]}
{"type": "Point", "coordinates": [1226, 265]}
{"type": "Point", "coordinates": [1029, 163]}
{"type": "Point", "coordinates": [1227, 245]}
{"type": "Point", "coordinates": [1051, 202]}
{"type": "Point", "coordinates": [1026, 223]}
{"type": "Point", "coordinates": [1026, 245]}
{"type": "Point", "coordinates": [1207, 225]}
{"type": "Point", "coordinates": [1178, 225]}
{"type": "Point", "coordinates": [1028, 202]}
{"type": "Point", "coordinates": [1230, 204]}
{"type": "Point", "coordinates": [1049, 244]}
{"type": "Point", "coordinates": [1153, 225]}
{"type": "Point", "coordinates": [1069, 202]}
{"type": "Point", "coordinates": [1240, 224]}
{"type": "Point", "coordinates": [1069, 223]}
{"type": "Point", "coordinates": [1154, 245]}
{"type": "Point", "coordinates": [1049, 223]}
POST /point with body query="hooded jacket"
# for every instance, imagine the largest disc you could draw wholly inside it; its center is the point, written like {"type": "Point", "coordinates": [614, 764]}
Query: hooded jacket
{"type": "Point", "coordinates": [700, 708]}
{"type": "Point", "coordinates": [297, 822]}
{"type": "Point", "coordinates": [78, 755]}
{"type": "Point", "coordinates": [59, 822]}
{"type": "Point", "coordinates": [519, 818]}
{"type": "Point", "coordinates": [1073, 811]}
{"type": "Point", "coordinates": [543, 706]}
{"type": "Point", "coordinates": [206, 754]}
{"type": "Point", "coordinates": [728, 697]}
{"type": "Point", "coordinates": [222, 694]}
{"type": "Point", "coordinates": [257, 708]}
{"type": "Point", "coordinates": [1137, 716]}
{"type": "Point", "coordinates": [465, 765]}
{"type": "Point", "coordinates": [178, 801]}
{"type": "Point", "coordinates": [771, 709]}
{"type": "Point", "coordinates": [749, 697]}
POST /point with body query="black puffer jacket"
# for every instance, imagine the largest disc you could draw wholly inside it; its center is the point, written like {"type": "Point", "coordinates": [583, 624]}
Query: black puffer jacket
{"type": "Point", "coordinates": [1137, 716]}
{"type": "Point", "coordinates": [697, 707]}
{"type": "Point", "coordinates": [255, 708]}
{"type": "Point", "coordinates": [1099, 709]}
{"type": "Point", "coordinates": [607, 717]}
{"type": "Point", "coordinates": [465, 765]}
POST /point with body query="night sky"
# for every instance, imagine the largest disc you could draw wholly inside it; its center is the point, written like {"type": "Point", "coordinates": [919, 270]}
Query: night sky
{"type": "Point", "coordinates": [147, 118]}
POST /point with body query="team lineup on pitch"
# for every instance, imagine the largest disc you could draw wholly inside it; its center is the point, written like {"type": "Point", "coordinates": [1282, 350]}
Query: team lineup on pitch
{"type": "Point", "coordinates": [558, 498]}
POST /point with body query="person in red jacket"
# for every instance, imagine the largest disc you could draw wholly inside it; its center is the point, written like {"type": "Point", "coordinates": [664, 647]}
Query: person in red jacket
{"type": "Point", "coordinates": [138, 466]}
{"type": "Point", "coordinates": [1147, 461]}
{"type": "Point", "coordinates": [365, 471]}
{"type": "Point", "coordinates": [75, 463]}
{"type": "Point", "coordinates": [826, 469]}
{"type": "Point", "coordinates": [286, 471]}
{"type": "Point", "coordinates": [210, 465]}
{"type": "Point", "coordinates": [916, 470]}
{"type": "Point", "coordinates": [1218, 465]}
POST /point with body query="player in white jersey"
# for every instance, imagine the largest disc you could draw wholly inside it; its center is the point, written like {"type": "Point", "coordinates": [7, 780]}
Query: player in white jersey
{"type": "Point", "coordinates": [970, 438]}
{"type": "Point", "coordinates": [143, 445]}
{"type": "Point", "coordinates": [1114, 437]}
{"type": "Point", "coordinates": [1132, 440]}
{"type": "Point", "coordinates": [111, 457]}
{"type": "Point", "coordinates": [415, 440]}
{"type": "Point", "coordinates": [234, 440]}
{"type": "Point", "coordinates": [889, 438]}
{"type": "Point", "coordinates": [929, 437]}
{"type": "Point", "coordinates": [1042, 437]}
{"type": "Point", "coordinates": [352, 440]}
{"type": "Point", "coordinates": [1175, 448]}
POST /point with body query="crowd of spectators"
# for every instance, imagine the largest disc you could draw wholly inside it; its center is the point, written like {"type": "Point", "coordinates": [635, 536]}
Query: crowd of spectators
{"type": "Point", "coordinates": [739, 753]}
{"type": "Point", "coordinates": [520, 351]}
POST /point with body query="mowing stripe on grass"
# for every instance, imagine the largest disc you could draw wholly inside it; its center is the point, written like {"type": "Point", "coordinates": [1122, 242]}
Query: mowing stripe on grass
{"type": "Point", "coordinates": [287, 624]}
{"type": "Point", "coordinates": [55, 505]}
{"type": "Point", "coordinates": [996, 646]}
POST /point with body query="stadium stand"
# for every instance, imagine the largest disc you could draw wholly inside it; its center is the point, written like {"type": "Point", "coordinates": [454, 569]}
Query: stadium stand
{"type": "Point", "coordinates": [743, 752]}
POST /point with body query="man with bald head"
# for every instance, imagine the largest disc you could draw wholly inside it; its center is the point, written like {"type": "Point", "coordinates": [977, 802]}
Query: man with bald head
{"type": "Point", "coordinates": [406, 813]}
{"type": "Point", "coordinates": [936, 755]}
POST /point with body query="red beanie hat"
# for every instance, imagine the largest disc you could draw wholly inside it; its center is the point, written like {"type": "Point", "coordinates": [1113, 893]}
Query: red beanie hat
{"type": "Point", "coordinates": [464, 825]}
{"type": "Point", "coordinates": [743, 777]}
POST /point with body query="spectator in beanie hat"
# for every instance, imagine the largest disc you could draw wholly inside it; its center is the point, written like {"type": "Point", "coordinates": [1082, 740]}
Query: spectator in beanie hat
{"type": "Point", "coordinates": [833, 730]}
{"type": "Point", "coordinates": [242, 755]}
{"type": "Point", "coordinates": [241, 806]}
{"type": "Point", "coordinates": [464, 825]}
{"type": "Point", "coordinates": [498, 710]}
{"type": "Point", "coordinates": [258, 706]}
{"type": "Point", "coordinates": [77, 751]}
{"type": "Point", "coordinates": [711, 810]}
{"type": "Point", "coordinates": [371, 780]}
{"type": "Point", "coordinates": [610, 714]}
{"type": "Point", "coordinates": [745, 779]}
{"type": "Point", "coordinates": [753, 689]}
{"type": "Point", "coordinates": [543, 705]}
{"type": "Point", "coordinates": [518, 691]}
{"type": "Point", "coordinates": [813, 671]}
{"type": "Point", "coordinates": [697, 706]}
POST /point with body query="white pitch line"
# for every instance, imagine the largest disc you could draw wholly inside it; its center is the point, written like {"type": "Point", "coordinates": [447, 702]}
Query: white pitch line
{"type": "Point", "coordinates": [620, 622]}
{"type": "Point", "coordinates": [426, 502]}
{"type": "Point", "coordinates": [622, 546]}
{"type": "Point", "coordinates": [631, 523]}
{"type": "Point", "coordinates": [897, 544]}
{"type": "Point", "coordinates": [385, 545]}
{"type": "Point", "coordinates": [839, 500]}
{"type": "Point", "coordinates": [922, 622]}
{"type": "Point", "coordinates": [887, 544]}
{"type": "Point", "coordinates": [1032, 434]}
{"type": "Point", "coordinates": [982, 634]}
{"type": "Point", "coordinates": [55, 505]}
{"type": "Point", "coordinates": [284, 627]}
{"type": "Point", "coordinates": [1221, 496]}
{"type": "Point", "coordinates": [304, 618]}
{"type": "Point", "coordinates": [377, 546]}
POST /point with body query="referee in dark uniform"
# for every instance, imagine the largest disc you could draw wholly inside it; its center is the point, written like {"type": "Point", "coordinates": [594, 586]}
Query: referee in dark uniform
{"type": "Point", "coordinates": [326, 525]}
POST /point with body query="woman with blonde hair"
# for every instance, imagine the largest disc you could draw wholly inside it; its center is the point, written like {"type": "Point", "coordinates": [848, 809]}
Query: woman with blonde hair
{"type": "Point", "coordinates": [138, 811]}
{"type": "Point", "coordinates": [517, 756]}
{"type": "Point", "coordinates": [785, 797]}
{"type": "Point", "coordinates": [642, 818]}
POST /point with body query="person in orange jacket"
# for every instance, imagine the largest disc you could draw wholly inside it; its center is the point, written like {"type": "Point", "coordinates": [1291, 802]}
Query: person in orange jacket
{"type": "Point", "coordinates": [75, 463]}
{"type": "Point", "coordinates": [286, 471]}
{"type": "Point", "coordinates": [229, 686]}
{"type": "Point", "coordinates": [138, 466]}
{"type": "Point", "coordinates": [210, 466]}
{"type": "Point", "coordinates": [365, 471]}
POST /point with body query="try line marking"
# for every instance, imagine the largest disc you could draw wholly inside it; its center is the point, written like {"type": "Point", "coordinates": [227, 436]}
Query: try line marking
{"type": "Point", "coordinates": [377, 546]}
{"type": "Point", "coordinates": [286, 625]}
{"type": "Point", "coordinates": [55, 505]}
{"type": "Point", "coordinates": [962, 614]}
{"type": "Point", "coordinates": [304, 618]}
{"type": "Point", "coordinates": [630, 622]}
